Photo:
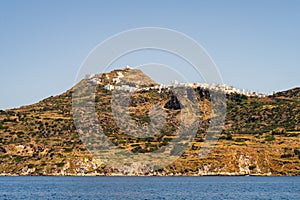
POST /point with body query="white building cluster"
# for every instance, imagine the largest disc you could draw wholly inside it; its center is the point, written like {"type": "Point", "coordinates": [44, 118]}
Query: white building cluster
{"type": "Point", "coordinates": [93, 79]}
{"type": "Point", "coordinates": [121, 87]}
{"type": "Point", "coordinates": [118, 78]}
{"type": "Point", "coordinates": [229, 89]}
{"type": "Point", "coordinates": [216, 87]}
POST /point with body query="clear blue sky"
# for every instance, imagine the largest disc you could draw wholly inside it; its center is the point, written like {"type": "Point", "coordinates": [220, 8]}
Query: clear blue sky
{"type": "Point", "coordinates": [255, 44]}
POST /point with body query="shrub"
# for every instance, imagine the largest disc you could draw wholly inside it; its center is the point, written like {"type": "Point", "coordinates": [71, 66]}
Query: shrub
{"type": "Point", "coordinates": [229, 137]}
{"type": "Point", "coordinates": [19, 158]}
{"type": "Point", "coordinates": [288, 155]}
{"type": "Point", "coordinates": [297, 152]}
{"type": "Point", "coordinates": [137, 149]}
{"type": "Point", "coordinates": [269, 138]}
{"type": "Point", "coordinates": [252, 167]}
{"type": "Point", "coordinates": [20, 134]}
{"type": "Point", "coordinates": [3, 127]}
{"type": "Point", "coordinates": [68, 150]}
{"type": "Point", "coordinates": [61, 164]}
{"type": "Point", "coordinates": [223, 137]}
{"type": "Point", "coordinates": [30, 166]}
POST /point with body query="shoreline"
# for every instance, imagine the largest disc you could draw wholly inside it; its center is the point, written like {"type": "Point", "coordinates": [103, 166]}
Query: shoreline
{"type": "Point", "coordinates": [119, 175]}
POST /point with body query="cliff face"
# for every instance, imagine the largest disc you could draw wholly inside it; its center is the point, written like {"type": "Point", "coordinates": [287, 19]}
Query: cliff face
{"type": "Point", "coordinates": [260, 135]}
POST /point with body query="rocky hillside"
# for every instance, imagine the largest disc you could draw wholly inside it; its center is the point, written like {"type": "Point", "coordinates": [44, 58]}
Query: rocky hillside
{"type": "Point", "coordinates": [260, 135]}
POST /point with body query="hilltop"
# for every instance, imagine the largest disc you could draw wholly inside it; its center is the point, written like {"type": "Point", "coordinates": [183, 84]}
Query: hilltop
{"type": "Point", "coordinates": [260, 135]}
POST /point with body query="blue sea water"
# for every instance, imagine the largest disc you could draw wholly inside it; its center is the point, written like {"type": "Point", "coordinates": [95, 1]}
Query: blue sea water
{"type": "Point", "coordinates": [149, 188]}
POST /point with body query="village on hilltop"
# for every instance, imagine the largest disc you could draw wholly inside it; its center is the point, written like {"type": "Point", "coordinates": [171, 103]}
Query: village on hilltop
{"type": "Point", "coordinates": [116, 80]}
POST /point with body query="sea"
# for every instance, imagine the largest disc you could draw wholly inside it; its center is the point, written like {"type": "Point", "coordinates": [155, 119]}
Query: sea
{"type": "Point", "coordinates": [214, 187]}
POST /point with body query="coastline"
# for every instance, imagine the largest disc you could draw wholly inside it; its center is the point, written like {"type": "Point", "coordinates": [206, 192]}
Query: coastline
{"type": "Point", "coordinates": [150, 175]}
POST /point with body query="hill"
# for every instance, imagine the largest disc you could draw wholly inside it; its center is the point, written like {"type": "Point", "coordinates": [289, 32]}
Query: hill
{"type": "Point", "coordinates": [260, 135]}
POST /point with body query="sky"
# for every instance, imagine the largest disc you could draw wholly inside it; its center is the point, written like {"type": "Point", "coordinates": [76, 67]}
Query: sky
{"type": "Point", "coordinates": [255, 44]}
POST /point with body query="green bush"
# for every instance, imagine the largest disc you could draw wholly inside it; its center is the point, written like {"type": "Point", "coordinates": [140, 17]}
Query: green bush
{"type": "Point", "coordinates": [68, 150]}
{"type": "Point", "coordinates": [229, 137]}
{"type": "Point", "coordinates": [252, 167]}
{"type": "Point", "coordinates": [269, 138]}
{"type": "Point", "coordinates": [61, 164]}
{"type": "Point", "coordinates": [288, 155]}
{"type": "Point", "coordinates": [3, 127]}
{"type": "Point", "coordinates": [30, 166]}
{"type": "Point", "coordinates": [296, 151]}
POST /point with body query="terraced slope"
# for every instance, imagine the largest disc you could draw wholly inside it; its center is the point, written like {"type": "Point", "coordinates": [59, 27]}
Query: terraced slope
{"type": "Point", "coordinates": [260, 136]}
